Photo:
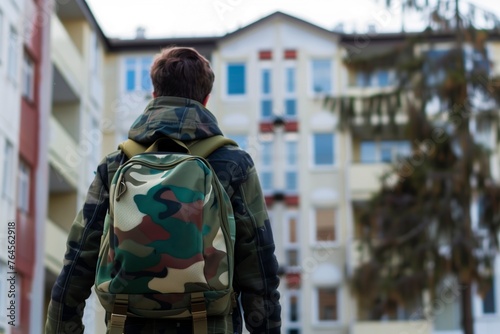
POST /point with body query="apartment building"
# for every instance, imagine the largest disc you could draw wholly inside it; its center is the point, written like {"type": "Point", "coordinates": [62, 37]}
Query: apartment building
{"type": "Point", "coordinates": [23, 77]}
{"type": "Point", "coordinates": [271, 80]}
{"type": "Point", "coordinates": [11, 50]}
{"type": "Point", "coordinates": [77, 48]}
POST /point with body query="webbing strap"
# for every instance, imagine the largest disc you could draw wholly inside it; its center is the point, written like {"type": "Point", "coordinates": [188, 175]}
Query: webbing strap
{"type": "Point", "coordinates": [116, 323]}
{"type": "Point", "coordinates": [199, 313]}
{"type": "Point", "coordinates": [131, 148]}
{"type": "Point", "coordinates": [202, 148]}
{"type": "Point", "coordinates": [205, 147]}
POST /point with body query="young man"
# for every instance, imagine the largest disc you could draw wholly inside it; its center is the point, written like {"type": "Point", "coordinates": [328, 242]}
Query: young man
{"type": "Point", "coordinates": [182, 81]}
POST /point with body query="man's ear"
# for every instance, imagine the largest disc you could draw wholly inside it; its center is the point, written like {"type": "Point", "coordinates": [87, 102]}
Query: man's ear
{"type": "Point", "coordinates": [154, 95]}
{"type": "Point", "coordinates": [205, 100]}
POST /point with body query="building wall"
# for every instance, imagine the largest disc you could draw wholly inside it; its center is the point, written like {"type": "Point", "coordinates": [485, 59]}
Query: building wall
{"type": "Point", "coordinates": [318, 187]}
{"type": "Point", "coordinates": [77, 57]}
{"type": "Point", "coordinates": [11, 51]}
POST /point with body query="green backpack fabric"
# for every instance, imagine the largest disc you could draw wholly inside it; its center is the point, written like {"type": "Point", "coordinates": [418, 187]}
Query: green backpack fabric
{"type": "Point", "coordinates": [167, 248]}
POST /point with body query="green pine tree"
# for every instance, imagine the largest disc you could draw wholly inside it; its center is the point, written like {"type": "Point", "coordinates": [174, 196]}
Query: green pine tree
{"type": "Point", "coordinates": [417, 230]}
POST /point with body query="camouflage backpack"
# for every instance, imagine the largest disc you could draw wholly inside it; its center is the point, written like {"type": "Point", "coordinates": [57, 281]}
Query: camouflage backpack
{"type": "Point", "coordinates": [168, 239]}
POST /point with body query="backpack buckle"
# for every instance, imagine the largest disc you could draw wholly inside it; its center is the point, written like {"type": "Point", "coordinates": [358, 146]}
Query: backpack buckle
{"type": "Point", "coordinates": [199, 312]}
{"type": "Point", "coordinates": [119, 315]}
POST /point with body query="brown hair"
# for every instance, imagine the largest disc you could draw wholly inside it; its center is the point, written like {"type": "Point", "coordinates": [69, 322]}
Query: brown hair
{"type": "Point", "coordinates": [182, 72]}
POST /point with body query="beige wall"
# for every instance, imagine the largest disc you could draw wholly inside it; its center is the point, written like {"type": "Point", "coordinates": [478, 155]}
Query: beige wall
{"type": "Point", "coordinates": [62, 209]}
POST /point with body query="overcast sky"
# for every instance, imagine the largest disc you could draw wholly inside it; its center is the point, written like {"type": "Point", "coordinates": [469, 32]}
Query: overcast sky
{"type": "Point", "coordinates": [180, 18]}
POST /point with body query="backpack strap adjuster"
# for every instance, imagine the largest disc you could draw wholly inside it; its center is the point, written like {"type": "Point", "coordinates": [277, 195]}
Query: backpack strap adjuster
{"type": "Point", "coordinates": [199, 312]}
{"type": "Point", "coordinates": [119, 315]}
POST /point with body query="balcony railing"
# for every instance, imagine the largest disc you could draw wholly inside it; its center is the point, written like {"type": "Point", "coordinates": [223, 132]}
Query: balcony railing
{"type": "Point", "coordinates": [364, 179]}
{"type": "Point", "coordinates": [55, 246]}
{"type": "Point", "coordinates": [62, 153]}
{"type": "Point", "coordinates": [66, 56]}
{"type": "Point", "coordinates": [393, 327]}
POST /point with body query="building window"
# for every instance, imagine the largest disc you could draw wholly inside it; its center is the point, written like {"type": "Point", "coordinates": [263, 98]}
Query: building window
{"type": "Point", "coordinates": [327, 304]}
{"type": "Point", "coordinates": [266, 103]}
{"type": "Point", "coordinates": [321, 76]}
{"type": "Point", "coordinates": [94, 54]}
{"type": "Point", "coordinates": [266, 169]}
{"type": "Point", "coordinates": [28, 78]}
{"type": "Point", "coordinates": [266, 81]}
{"type": "Point", "coordinates": [291, 108]}
{"type": "Point", "coordinates": [291, 168]}
{"type": "Point", "coordinates": [294, 314]}
{"type": "Point", "coordinates": [266, 108]}
{"type": "Point", "coordinates": [434, 71]}
{"type": "Point", "coordinates": [489, 301]}
{"type": "Point", "coordinates": [325, 219]}
{"type": "Point", "coordinates": [13, 51]}
{"type": "Point", "coordinates": [130, 74]}
{"type": "Point", "coordinates": [236, 79]}
{"type": "Point", "coordinates": [383, 78]}
{"type": "Point", "coordinates": [386, 151]}
{"type": "Point", "coordinates": [290, 92]}
{"type": "Point", "coordinates": [368, 152]}
{"type": "Point", "coordinates": [1, 35]}
{"type": "Point", "coordinates": [146, 84]}
{"type": "Point", "coordinates": [137, 74]}
{"type": "Point", "coordinates": [291, 242]}
{"type": "Point", "coordinates": [323, 149]}
{"type": "Point", "coordinates": [290, 79]}
{"type": "Point", "coordinates": [94, 140]}
{"type": "Point", "coordinates": [7, 190]}
{"type": "Point", "coordinates": [23, 188]}
{"type": "Point", "coordinates": [380, 78]}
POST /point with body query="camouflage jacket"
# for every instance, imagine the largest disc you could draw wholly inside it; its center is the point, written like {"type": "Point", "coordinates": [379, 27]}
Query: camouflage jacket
{"type": "Point", "coordinates": [255, 277]}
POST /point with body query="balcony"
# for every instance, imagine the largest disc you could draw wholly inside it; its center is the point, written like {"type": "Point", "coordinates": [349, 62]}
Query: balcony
{"type": "Point", "coordinates": [364, 179]}
{"type": "Point", "coordinates": [62, 153]}
{"type": "Point", "coordinates": [66, 57]}
{"type": "Point", "coordinates": [393, 327]}
{"type": "Point", "coordinates": [55, 246]}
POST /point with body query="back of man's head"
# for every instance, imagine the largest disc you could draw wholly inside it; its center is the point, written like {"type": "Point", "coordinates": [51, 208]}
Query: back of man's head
{"type": "Point", "coordinates": [182, 72]}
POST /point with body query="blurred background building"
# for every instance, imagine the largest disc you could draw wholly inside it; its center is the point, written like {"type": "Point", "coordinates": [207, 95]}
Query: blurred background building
{"type": "Point", "coordinates": [69, 95]}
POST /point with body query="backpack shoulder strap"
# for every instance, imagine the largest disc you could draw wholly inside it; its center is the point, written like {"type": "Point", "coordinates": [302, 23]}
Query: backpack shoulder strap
{"type": "Point", "coordinates": [131, 148]}
{"type": "Point", "coordinates": [201, 148]}
{"type": "Point", "coordinates": [207, 146]}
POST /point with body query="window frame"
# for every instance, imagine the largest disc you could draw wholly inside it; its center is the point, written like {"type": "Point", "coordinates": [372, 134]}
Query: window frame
{"type": "Point", "coordinates": [292, 166]}
{"type": "Point", "coordinates": [290, 95]}
{"type": "Point", "coordinates": [12, 55]}
{"type": "Point", "coordinates": [23, 187]}
{"type": "Point", "coordinates": [8, 171]}
{"type": "Point", "coordinates": [246, 87]}
{"type": "Point", "coordinates": [312, 78]}
{"type": "Point", "coordinates": [291, 324]}
{"type": "Point", "coordinates": [130, 65]}
{"type": "Point", "coordinates": [1, 35]}
{"type": "Point", "coordinates": [316, 309]}
{"type": "Point", "coordinates": [290, 245]}
{"type": "Point", "coordinates": [266, 104]}
{"type": "Point", "coordinates": [266, 169]}
{"type": "Point", "coordinates": [138, 66]}
{"type": "Point", "coordinates": [336, 227]}
{"type": "Point", "coordinates": [28, 79]}
{"type": "Point", "coordinates": [396, 147]}
{"type": "Point", "coordinates": [312, 158]}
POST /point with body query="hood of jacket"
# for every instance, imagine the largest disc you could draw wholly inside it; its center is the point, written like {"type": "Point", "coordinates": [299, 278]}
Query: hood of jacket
{"type": "Point", "coordinates": [174, 117]}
